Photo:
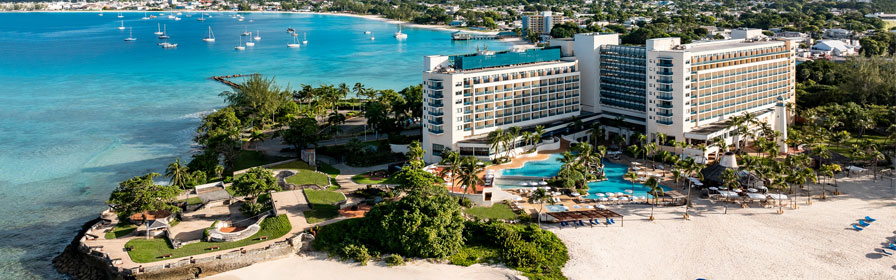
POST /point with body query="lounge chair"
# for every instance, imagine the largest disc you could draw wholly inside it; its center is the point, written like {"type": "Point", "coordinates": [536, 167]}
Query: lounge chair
{"type": "Point", "coordinates": [609, 222]}
{"type": "Point", "coordinates": [869, 219]}
{"type": "Point", "coordinates": [863, 223]}
{"type": "Point", "coordinates": [885, 252]}
{"type": "Point", "coordinates": [612, 221]}
{"type": "Point", "coordinates": [857, 228]}
{"type": "Point", "coordinates": [595, 222]}
{"type": "Point", "coordinates": [892, 246]}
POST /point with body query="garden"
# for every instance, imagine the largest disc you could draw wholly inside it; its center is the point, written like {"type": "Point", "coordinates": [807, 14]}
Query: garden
{"type": "Point", "coordinates": [323, 205]}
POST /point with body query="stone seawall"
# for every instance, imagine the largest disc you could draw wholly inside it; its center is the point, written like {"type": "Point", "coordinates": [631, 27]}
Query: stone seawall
{"type": "Point", "coordinates": [81, 262]}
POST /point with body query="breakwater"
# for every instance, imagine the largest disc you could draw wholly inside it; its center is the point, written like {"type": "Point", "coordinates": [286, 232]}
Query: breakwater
{"type": "Point", "coordinates": [225, 79]}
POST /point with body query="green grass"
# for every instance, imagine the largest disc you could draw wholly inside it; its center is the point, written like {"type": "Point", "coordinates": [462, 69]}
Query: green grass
{"type": "Point", "coordinates": [322, 205]}
{"type": "Point", "coordinates": [120, 230]}
{"type": "Point", "coordinates": [150, 250]}
{"type": "Point", "coordinates": [497, 211]}
{"type": "Point", "coordinates": [247, 159]}
{"type": "Point", "coordinates": [194, 200]}
{"type": "Point", "coordinates": [470, 255]}
{"type": "Point", "coordinates": [881, 142]}
{"type": "Point", "coordinates": [363, 179]}
{"type": "Point", "coordinates": [305, 177]}
{"type": "Point", "coordinates": [301, 165]}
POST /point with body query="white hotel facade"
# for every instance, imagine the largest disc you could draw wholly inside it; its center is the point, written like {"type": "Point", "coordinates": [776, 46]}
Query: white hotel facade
{"type": "Point", "coordinates": [686, 91]}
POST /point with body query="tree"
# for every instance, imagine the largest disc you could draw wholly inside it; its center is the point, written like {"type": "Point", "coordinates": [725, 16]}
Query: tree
{"type": "Point", "coordinates": [495, 140]}
{"type": "Point", "coordinates": [510, 140]}
{"type": "Point", "coordinates": [565, 30]}
{"type": "Point", "coordinates": [424, 226]}
{"type": "Point", "coordinates": [539, 196]}
{"type": "Point", "coordinates": [731, 181]}
{"type": "Point", "coordinates": [218, 134]}
{"type": "Point", "coordinates": [631, 176]}
{"type": "Point", "coordinates": [417, 181]}
{"type": "Point", "coordinates": [177, 174]}
{"type": "Point", "coordinates": [571, 171]}
{"type": "Point", "coordinates": [539, 131]}
{"type": "Point", "coordinates": [254, 182]}
{"type": "Point", "coordinates": [302, 132]}
{"type": "Point", "coordinates": [415, 155]}
{"type": "Point", "coordinates": [257, 97]}
{"type": "Point", "coordinates": [141, 194]}
{"type": "Point", "coordinates": [655, 190]}
{"type": "Point", "coordinates": [597, 133]}
{"type": "Point", "coordinates": [256, 136]}
{"type": "Point", "coordinates": [829, 170]}
{"type": "Point", "coordinates": [451, 160]}
{"type": "Point", "coordinates": [469, 173]}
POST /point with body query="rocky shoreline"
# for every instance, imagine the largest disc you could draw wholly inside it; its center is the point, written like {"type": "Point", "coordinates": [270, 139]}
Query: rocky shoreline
{"type": "Point", "coordinates": [78, 265]}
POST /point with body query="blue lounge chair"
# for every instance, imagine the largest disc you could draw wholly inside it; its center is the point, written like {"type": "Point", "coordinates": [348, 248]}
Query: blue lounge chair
{"type": "Point", "coordinates": [593, 222]}
{"type": "Point", "coordinates": [885, 252]}
{"type": "Point", "coordinates": [581, 223]}
{"type": "Point", "coordinates": [612, 221]}
{"type": "Point", "coordinates": [857, 228]}
{"type": "Point", "coordinates": [892, 246]}
{"type": "Point", "coordinates": [863, 223]}
{"type": "Point", "coordinates": [608, 222]}
{"type": "Point", "coordinates": [869, 219]}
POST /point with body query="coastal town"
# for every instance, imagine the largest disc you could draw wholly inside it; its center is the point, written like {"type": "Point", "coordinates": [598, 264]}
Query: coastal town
{"type": "Point", "coordinates": [608, 139]}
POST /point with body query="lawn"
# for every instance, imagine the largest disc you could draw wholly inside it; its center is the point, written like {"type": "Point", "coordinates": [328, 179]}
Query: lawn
{"type": "Point", "coordinates": [120, 230]}
{"type": "Point", "coordinates": [150, 250]}
{"type": "Point", "coordinates": [322, 205]}
{"type": "Point", "coordinates": [365, 179]}
{"type": "Point", "coordinates": [194, 200]}
{"type": "Point", "coordinates": [247, 159]}
{"type": "Point", "coordinates": [497, 211]}
{"type": "Point", "coordinates": [307, 175]}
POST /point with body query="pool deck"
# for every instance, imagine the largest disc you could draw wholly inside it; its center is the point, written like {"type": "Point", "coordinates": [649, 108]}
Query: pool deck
{"type": "Point", "coordinates": [518, 162]}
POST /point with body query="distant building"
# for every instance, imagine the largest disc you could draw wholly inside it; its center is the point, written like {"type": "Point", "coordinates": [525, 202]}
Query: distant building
{"type": "Point", "coordinates": [833, 48]}
{"type": "Point", "coordinates": [837, 33]}
{"type": "Point", "coordinates": [541, 23]}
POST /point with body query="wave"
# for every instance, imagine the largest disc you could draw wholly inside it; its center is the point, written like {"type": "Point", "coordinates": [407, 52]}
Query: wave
{"type": "Point", "coordinates": [197, 115]}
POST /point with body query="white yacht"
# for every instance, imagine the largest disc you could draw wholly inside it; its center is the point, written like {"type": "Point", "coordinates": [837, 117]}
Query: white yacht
{"type": "Point", "coordinates": [100, 14]}
{"type": "Point", "coordinates": [164, 33]}
{"type": "Point", "coordinates": [120, 15]}
{"type": "Point", "coordinates": [145, 17]}
{"type": "Point", "coordinates": [240, 47]}
{"type": "Point", "coordinates": [304, 39]}
{"type": "Point", "coordinates": [249, 42]}
{"type": "Point", "coordinates": [122, 26]}
{"type": "Point", "coordinates": [247, 33]}
{"type": "Point", "coordinates": [399, 35]}
{"type": "Point", "coordinates": [257, 35]}
{"type": "Point", "coordinates": [367, 32]}
{"type": "Point", "coordinates": [201, 17]}
{"type": "Point", "coordinates": [130, 35]}
{"type": "Point", "coordinates": [166, 45]}
{"type": "Point", "coordinates": [160, 30]}
{"type": "Point", "coordinates": [294, 44]}
{"type": "Point", "coordinates": [211, 36]}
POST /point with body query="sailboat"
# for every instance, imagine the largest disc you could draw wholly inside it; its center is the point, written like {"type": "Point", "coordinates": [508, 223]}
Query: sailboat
{"type": "Point", "coordinates": [371, 36]}
{"type": "Point", "coordinates": [304, 39]}
{"type": "Point", "coordinates": [240, 47]}
{"type": "Point", "coordinates": [246, 33]}
{"type": "Point", "coordinates": [120, 15]}
{"type": "Point", "coordinates": [160, 30]}
{"type": "Point", "coordinates": [201, 17]}
{"type": "Point", "coordinates": [249, 42]}
{"type": "Point", "coordinates": [100, 14]}
{"type": "Point", "coordinates": [164, 33]}
{"type": "Point", "coordinates": [367, 32]}
{"type": "Point", "coordinates": [294, 44]}
{"type": "Point", "coordinates": [145, 17]}
{"type": "Point", "coordinates": [130, 35]}
{"type": "Point", "coordinates": [122, 26]}
{"type": "Point", "coordinates": [257, 35]}
{"type": "Point", "coordinates": [166, 45]}
{"type": "Point", "coordinates": [211, 36]}
{"type": "Point", "coordinates": [399, 35]}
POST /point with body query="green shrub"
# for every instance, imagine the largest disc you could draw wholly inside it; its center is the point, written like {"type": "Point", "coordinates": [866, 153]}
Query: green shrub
{"type": "Point", "coordinates": [394, 260]}
{"type": "Point", "coordinates": [205, 232]}
{"type": "Point", "coordinates": [536, 252]}
{"type": "Point", "coordinates": [356, 253]}
{"type": "Point", "coordinates": [251, 208]}
{"type": "Point", "coordinates": [465, 202]}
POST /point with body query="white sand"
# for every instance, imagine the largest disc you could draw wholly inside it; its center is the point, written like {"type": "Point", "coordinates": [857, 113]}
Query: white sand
{"type": "Point", "coordinates": [812, 242]}
{"type": "Point", "coordinates": [318, 267]}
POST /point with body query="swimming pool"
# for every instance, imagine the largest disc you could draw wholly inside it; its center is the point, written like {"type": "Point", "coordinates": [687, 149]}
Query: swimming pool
{"type": "Point", "coordinates": [551, 167]}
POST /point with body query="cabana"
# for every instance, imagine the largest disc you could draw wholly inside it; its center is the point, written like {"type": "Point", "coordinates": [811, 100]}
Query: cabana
{"type": "Point", "coordinates": [568, 216]}
{"type": "Point", "coordinates": [677, 197]}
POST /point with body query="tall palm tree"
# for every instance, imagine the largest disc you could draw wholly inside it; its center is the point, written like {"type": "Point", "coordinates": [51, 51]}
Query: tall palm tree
{"type": "Point", "coordinates": [661, 139]}
{"type": "Point", "coordinates": [875, 155]}
{"type": "Point", "coordinates": [495, 139]}
{"type": "Point", "coordinates": [510, 140]}
{"type": "Point", "coordinates": [540, 196]}
{"type": "Point", "coordinates": [829, 170]}
{"type": "Point", "coordinates": [219, 170]}
{"type": "Point", "coordinates": [359, 90]}
{"type": "Point", "coordinates": [256, 136]}
{"type": "Point", "coordinates": [527, 137]}
{"type": "Point", "coordinates": [570, 171]}
{"type": "Point", "coordinates": [649, 152]}
{"type": "Point", "coordinates": [779, 182]}
{"type": "Point", "coordinates": [730, 179]}
{"type": "Point", "coordinates": [597, 133]}
{"type": "Point", "coordinates": [720, 143]}
{"type": "Point", "coordinates": [655, 190]}
{"type": "Point", "coordinates": [632, 176]}
{"type": "Point", "coordinates": [536, 138]}
{"type": "Point", "coordinates": [469, 173]}
{"type": "Point", "coordinates": [451, 160]}
{"type": "Point", "coordinates": [177, 173]}
{"type": "Point", "coordinates": [634, 150]}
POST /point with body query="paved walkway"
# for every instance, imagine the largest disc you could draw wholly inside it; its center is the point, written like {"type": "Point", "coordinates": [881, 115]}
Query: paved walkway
{"type": "Point", "coordinates": [347, 172]}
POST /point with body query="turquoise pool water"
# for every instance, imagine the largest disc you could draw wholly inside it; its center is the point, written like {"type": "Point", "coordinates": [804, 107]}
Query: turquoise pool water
{"type": "Point", "coordinates": [551, 167]}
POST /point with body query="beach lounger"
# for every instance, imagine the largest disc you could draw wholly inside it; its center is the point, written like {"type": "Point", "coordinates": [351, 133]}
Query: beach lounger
{"type": "Point", "coordinates": [857, 228]}
{"type": "Point", "coordinates": [863, 223]}
{"type": "Point", "coordinates": [892, 246]}
{"type": "Point", "coordinates": [869, 219]}
{"type": "Point", "coordinates": [593, 222]}
{"type": "Point", "coordinates": [612, 221]}
{"type": "Point", "coordinates": [885, 252]}
{"type": "Point", "coordinates": [608, 222]}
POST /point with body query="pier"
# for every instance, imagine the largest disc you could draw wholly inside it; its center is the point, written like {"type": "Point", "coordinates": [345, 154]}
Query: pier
{"type": "Point", "coordinates": [224, 79]}
{"type": "Point", "coordinates": [464, 36]}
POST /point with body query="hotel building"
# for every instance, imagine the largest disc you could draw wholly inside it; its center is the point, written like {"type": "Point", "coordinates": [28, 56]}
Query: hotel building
{"type": "Point", "coordinates": [541, 23]}
{"type": "Point", "coordinates": [467, 96]}
{"type": "Point", "coordinates": [685, 91]}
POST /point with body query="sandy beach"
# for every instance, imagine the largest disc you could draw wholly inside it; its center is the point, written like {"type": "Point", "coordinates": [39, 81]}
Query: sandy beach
{"type": "Point", "coordinates": [813, 242]}
{"type": "Point", "coordinates": [318, 267]}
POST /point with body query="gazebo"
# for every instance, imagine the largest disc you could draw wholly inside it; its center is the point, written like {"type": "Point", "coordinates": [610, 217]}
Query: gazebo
{"type": "Point", "coordinates": [156, 225]}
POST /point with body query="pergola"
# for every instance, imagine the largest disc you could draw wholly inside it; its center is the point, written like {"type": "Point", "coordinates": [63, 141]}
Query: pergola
{"type": "Point", "coordinates": [567, 216]}
{"type": "Point", "coordinates": [676, 196]}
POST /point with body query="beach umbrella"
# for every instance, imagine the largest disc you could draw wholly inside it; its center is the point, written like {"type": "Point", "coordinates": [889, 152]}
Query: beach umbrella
{"type": "Point", "coordinates": [524, 184]}
{"type": "Point", "coordinates": [619, 194]}
{"type": "Point", "coordinates": [629, 191]}
{"type": "Point", "coordinates": [636, 168]}
{"type": "Point", "coordinates": [636, 163]}
{"type": "Point", "coordinates": [599, 194]}
{"type": "Point", "coordinates": [576, 206]}
{"type": "Point", "coordinates": [613, 199]}
{"type": "Point", "coordinates": [603, 199]}
{"type": "Point", "coordinates": [713, 188]}
{"type": "Point", "coordinates": [589, 207]}
{"type": "Point", "coordinates": [543, 183]}
{"type": "Point", "coordinates": [752, 190]}
{"type": "Point", "coordinates": [600, 206]}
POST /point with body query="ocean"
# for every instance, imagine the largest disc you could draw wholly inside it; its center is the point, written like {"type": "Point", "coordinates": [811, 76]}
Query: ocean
{"type": "Point", "coordinates": [81, 109]}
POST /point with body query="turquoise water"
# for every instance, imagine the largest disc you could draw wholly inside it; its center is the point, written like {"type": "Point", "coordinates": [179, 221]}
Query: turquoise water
{"type": "Point", "coordinates": [551, 167]}
{"type": "Point", "coordinates": [81, 110]}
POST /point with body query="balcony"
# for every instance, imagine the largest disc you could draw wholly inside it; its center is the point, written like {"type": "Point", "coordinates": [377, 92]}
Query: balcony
{"type": "Point", "coordinates": [436, 122]}
{"type": "Point", "coordinates": [664, 122]}
{"type": "Point", "coordinates": [664, 63]}
{"type": "Point", "coordinates": [436, 131]}
{"type": "Point", "coordinates": [666, 114]}
{"type": "Point", "coordinates": [435, 104]}
{"type": "Point", "coordinates": [667, 97]}
{"type": "Point", "coordinates": [431, 113]}
{"type": "Point", "coordinates": [436, 95]}
{"type": "Point", "coordinates": [666, 73]}
{"type": "Point", "coordinates": [664, 106]}
{"type": "Point", "coordinates": [483, 110]}
{"type": "Point", "coordinates": [665, 89]}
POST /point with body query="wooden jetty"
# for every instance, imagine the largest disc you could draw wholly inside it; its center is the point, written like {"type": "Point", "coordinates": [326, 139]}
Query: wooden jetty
{"type": "Point", "coordinates": [224, 79]}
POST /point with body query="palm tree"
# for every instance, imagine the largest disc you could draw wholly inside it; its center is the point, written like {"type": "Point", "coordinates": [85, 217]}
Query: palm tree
{"type": "Point", "coordinates": [730, 179]}
{"type": "Point", "coordinates": [875, 156]}
{"type": "Point", "coordinates": [256, 136]}
{"type": "Point", "coordinates": [661, 139]}
{"type": "Point", "coordinates": [655, 190]}
{"type": "Point", "coordinates": [650, 152]}
{"type": "Point", "coordinates": [719, 142]}
{"type": "Point", "coordinates": [527, 137]}
{"type": "Point", "coordinates": [495, 139]}
{"type": "Point", "coordinates": [177, 173]}
{"type": "Point", "coordinates": [510, 140]}
{"type": "Point", "coordinates": [570, 171]}
{"type": "Point", "coordinates": [597, 133]}
{"type": "Point", "coordinates": [536, 138]}
{"type": "Point", "coordinates": [829, 170]}
{"type": "Point", "coordinates": [779, 183]}
{"type": "Point", "coordinates": [469, 173]}
{"type": "Point", "coordinates": [451, 160]}
{"type": "Point", "coordinates": [359, 90]}
{"type": "Point", "coordinates": [634, 150]}
{"type": "Point", "coordinates": [632, 176]}
{"type": "Point", "coordinates": [219, 170]}
{"type": "Point", "coordinates": [540, 196]}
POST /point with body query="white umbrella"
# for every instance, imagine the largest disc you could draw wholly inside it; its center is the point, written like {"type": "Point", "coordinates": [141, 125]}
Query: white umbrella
{"type": "Point", "coordinates": [524, 184]}
{"type": "Point", "coordinates": [619, 194]}
{"type": "Point", "coordinates": [543, 183]}
{"type": "Point", "coordinates": [611, 194]}
{"type": "Point", "coordinates": [575, 194]}
{"type": "Point", "coordinates": [713, 188]}
{"type": "Point", "coordinates": [603, 199]}
{"type": "Point", "coordinates": [636, 168]}
{"type": "Point", "coordinates": [636, 163]}
{"type": "Point", "coordinates": [629, 191]}
{"type": "Point", "coordinates": [752, 190]}
{"type": "Point", "coordinates": [600, 206]}
{"type": "Point", "coordinates": [589, 207]}
{"type": "Point", "coordinates": [576, 206]}
{"type": "Point", "coordinates": [613, 199]}
{"type": "Point", "coordinates": [599, 194]}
